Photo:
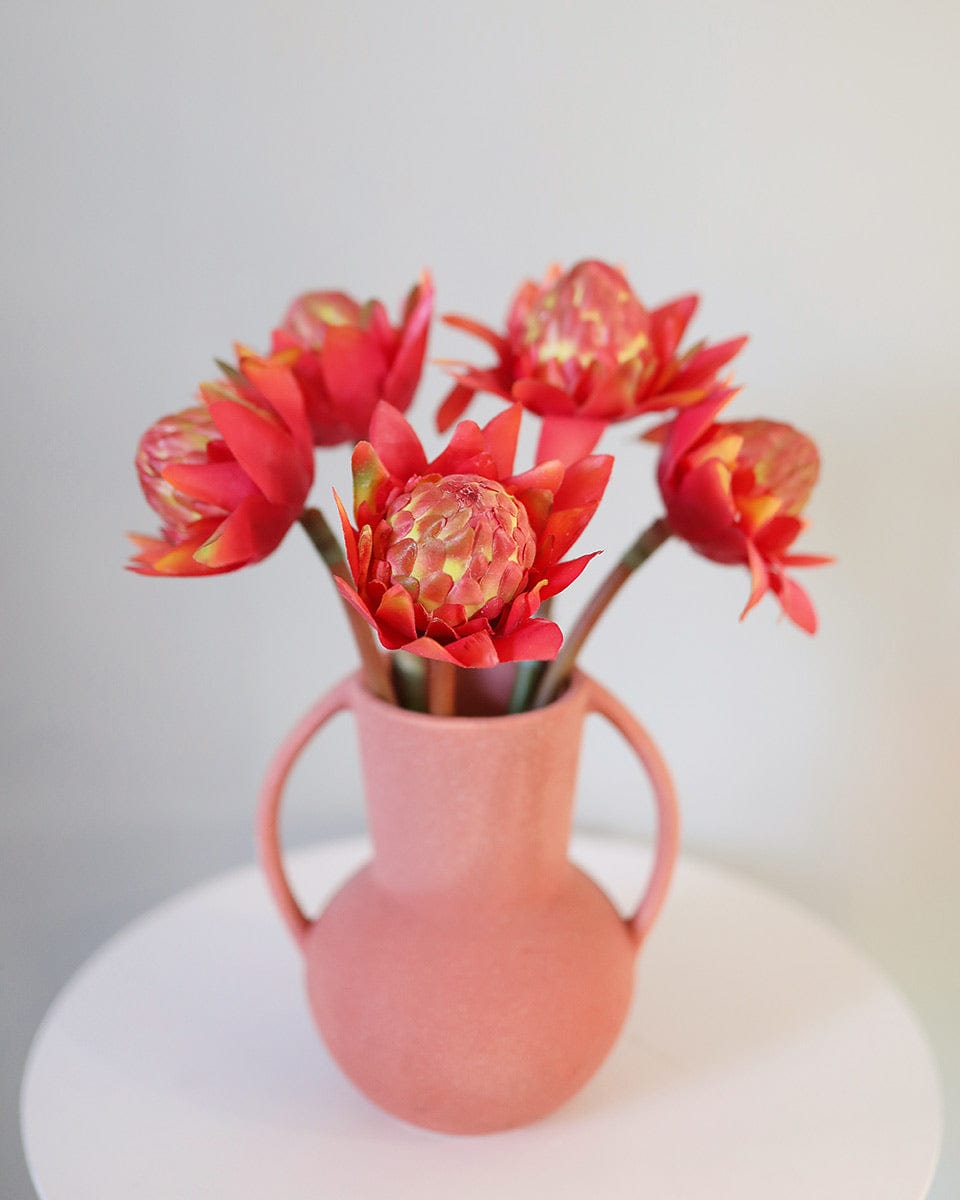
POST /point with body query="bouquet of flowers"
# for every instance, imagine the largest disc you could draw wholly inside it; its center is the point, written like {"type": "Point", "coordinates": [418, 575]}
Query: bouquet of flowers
{"type": "Point", "coordinates": [452, 563]}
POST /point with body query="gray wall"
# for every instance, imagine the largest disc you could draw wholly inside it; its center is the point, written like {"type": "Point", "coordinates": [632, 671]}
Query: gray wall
{"type": "Point", "coordinates": [174, 173]}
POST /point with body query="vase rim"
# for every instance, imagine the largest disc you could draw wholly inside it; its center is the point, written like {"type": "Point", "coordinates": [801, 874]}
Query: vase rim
{"type": "Point", "coordinates": [569, 696]}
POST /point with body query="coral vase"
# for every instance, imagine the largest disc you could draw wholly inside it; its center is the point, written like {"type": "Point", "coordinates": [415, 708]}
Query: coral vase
{"type": "Point", "coordinates": [470, 978]}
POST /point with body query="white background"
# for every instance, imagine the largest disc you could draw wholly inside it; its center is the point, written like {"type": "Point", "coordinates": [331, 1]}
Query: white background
{"type": "Point", "coordinates": [174, 174]}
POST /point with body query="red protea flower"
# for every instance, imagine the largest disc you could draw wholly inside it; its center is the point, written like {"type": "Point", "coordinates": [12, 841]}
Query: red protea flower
{"type": "Point", "coordinates": [735, 491]}
{"type": "Point", "coordinates": [582, 351]}
{"type": "Point", "coordinates": [228, 479]}
{"type": "Point", "coordinates": [451, 559]}
{"type": "Point", "coordinates": [353, 357]}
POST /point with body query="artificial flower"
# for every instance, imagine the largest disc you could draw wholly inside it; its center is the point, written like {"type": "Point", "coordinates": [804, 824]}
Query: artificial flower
{"type": "Point", "coordinates": [352, 357]}
{"type": "Point", "coordinates": [451, 559]}
{"type": "Point", "coordinates": [735, 490]}
{"type": "Point", "coordinates": [582, 351]}
{"type": "Point", "coordinates": [227, 479]}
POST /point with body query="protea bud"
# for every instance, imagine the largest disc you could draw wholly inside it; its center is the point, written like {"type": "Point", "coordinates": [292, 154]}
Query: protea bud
{"type": "Point", "coordinates": [588, 320]}
{"type": "Point", "coordinates": [460, 540]}
{"type": "Point", "coordinates": [182, 437]}
{"type": "Point", "coordinates": [451, 559]}
{"type": "Point", "coordinates": [736, 490]}
{"type": "Point", "coordinates": [582, 350]}
{"type": "Point", "coordinates": [352, 357]}
{"type": "Point", "coordinates": [229, 479]}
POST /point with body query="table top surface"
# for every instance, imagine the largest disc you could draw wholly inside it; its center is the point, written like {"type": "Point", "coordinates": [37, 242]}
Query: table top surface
{"type": "Point", "coordinates": [763, 1057]}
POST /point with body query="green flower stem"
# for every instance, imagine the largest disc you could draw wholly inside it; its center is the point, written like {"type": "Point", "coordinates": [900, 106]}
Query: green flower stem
{"type": "Point", "coordinates": [525, 684]}
{"type": "Point", "coordinates": [375, 670]}
{"type": "Point", "coordinates": [410, 680]}
{"type": "Point", "coordinates": [558, 672]}
{"type": "Point", "coordinates": [442, 688]}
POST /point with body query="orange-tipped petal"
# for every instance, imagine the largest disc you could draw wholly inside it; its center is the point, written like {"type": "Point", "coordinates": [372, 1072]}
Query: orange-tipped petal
{"type": "Point", "coordinates": [252, 531]}
{"type": "Point", "coordinates": [349, 537]}
{"type": "Point", "coordinates": [278, 385]}
{"type": "Point", "coordinates": [396, 614]}
{"type": "Point", "coordinates": [759, 577]}
{"type": "Point", "coordinates": [370, 476]}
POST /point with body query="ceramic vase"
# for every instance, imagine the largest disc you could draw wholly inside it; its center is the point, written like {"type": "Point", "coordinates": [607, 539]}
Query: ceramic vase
{"type": "Point", "coordinates": [469, 978]}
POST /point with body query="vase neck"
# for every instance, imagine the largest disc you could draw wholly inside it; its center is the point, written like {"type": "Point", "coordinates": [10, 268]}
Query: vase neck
{"type": "Point", "coordinates": [478, 803]}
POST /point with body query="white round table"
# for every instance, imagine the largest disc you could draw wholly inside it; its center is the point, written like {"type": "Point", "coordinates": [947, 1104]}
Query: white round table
{"type": "Point", "coordinates": [764, 1059]}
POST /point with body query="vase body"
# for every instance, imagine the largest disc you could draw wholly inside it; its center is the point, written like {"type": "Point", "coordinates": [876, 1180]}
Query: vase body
{"type": "Point", "coordinates": [470, 978]}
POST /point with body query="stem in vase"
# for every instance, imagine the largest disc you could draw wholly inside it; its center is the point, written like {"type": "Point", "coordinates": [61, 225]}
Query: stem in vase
{"type": "Point", "coordinates": [558, 672]}
{"type": "Point", "coordinates": [375, 669]}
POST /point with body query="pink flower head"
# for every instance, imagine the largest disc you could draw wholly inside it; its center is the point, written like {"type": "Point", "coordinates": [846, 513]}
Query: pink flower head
{"type": "Point", "coordinates": [227, 479]}
{"type": "Point", "coordinates": [735, 490]}
{"type": "Point", "coordinates": [352, 357]}
{"type": "Point", "coordinates": [452, 558]}
{"type": "Point", "coordinates": [582, 351]}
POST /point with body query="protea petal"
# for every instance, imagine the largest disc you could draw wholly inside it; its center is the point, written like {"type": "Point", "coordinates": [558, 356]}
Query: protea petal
{"type": "Point", "coordinates": [354, 599]}
{"type": "Point", "coordinates": [544, 477]}
{"type": "Point", "coordinates": [404, 375]}
{"type": "Point", "coordinates": [397, 445]}
{"type": "Point", "coordinates": [224, 484]}
{"type": "Point", "coordinates": [568, 438]}
{"type": "Point", "coordinates": [164, 560]}
{"type": "Point", "coordinates": [353, 365]}
{"type": "Point", "coordinates": [759, 576]}
{"type": "Point", "coordinates": [396, 613]}
{"type": "Point", "coordinates": [705, 363]}
{"type": "Point", "coordinates": [795, 602]}
{"type": "Point", "coordinates": [349, 537]}
{"type": "Point", "coordinates": [261, 444]}
{"type": "Point", "coordinates": [454, 406]}
{"type": "Point", "coordinates": [252, 531]}
{"type": "Point", "coordinates": [585, 481]}
{"type": "Point", "coordinates": [538, 641]}
{"type": "Point", "coordinates": [807, 560]}
{"type": "Point", "coordinates": [687, 427]}
{"type": "Point", "coordinates": [475, 650]}
{"type": "Point", "coordinates": [669, 323]}
{"type": "Point", "coordinates": [276, 382]}
{"type": "Point", "coordinates": [500, 439]}
{"type": "Point", "coordinates": [498, 344]}
{"type": "Point", "coordinates": [370, 476]}
{"type": "Point", "coordinates": [561, 575]}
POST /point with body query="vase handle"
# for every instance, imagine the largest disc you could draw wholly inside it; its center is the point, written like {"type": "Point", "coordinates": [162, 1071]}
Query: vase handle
{"type": "Point", "coordinates": [668, 814]}
{"type": "Point", "coordinates": [271, 794]}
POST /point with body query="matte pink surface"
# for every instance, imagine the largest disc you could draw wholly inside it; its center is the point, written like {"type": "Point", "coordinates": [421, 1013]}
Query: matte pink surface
{"type": "Point", "coordinates": [470, 978]}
